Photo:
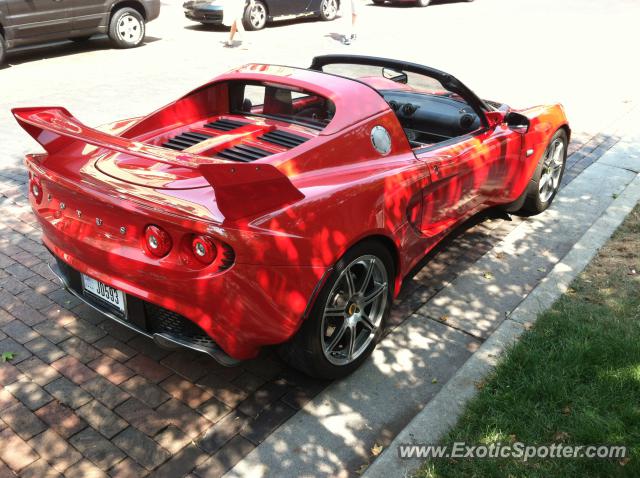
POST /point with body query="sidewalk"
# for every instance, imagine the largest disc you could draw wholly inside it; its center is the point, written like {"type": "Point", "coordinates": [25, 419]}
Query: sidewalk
{"type": "Point", "coordinates": [334, 434]}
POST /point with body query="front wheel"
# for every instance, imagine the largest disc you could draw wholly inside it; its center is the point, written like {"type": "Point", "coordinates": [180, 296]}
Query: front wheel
{"type": "Point", "coordinates": [255, 18]}
{"type": "Point", "coordinates": [545, 183]}
{"type": "Point", "coordinates": [127, 28]}
{"type": "Point", "coordinates": [329, 10]}
{"type": "Point", "coordinates": [349, 315]}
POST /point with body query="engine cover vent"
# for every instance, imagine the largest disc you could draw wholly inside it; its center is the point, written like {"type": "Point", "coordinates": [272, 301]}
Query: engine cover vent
{"type": "Point", "coordinates": [283, 138]}
{"type": "Point", "coordinates": [225, 125]}
{"type": "Point", "coordinates": [186, 140]}
{"type": "Point", "coordinates": [243, 153]}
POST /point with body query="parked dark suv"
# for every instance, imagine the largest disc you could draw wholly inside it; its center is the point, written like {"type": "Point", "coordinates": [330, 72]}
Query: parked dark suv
{"type": "Point", "coordinates": [24, 22]}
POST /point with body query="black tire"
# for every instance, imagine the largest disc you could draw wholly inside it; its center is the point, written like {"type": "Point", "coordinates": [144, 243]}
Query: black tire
{"type": "Point", "coordinates": [127, 28]}
{"type": "Point", "coordinates": [329, 10]}
{"type": "Point", "coordinates": [305, 351]}
{"type": "Point", "coordinates": [534, 203]}
{"type": "Point", "coordinates": [258, 7]}
{"type": "Point", "coordinates": [423, 3]}
{"type": "Point", "coordinates": [3, 50]}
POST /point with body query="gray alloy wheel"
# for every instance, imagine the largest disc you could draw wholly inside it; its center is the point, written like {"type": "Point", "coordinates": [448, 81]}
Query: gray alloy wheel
{"type": "Point", "coordinates": [127, 28]}
{"type": "Point", "coordinates": [255, 18]}
{"type": "Point", "coordinates": [354, 309]}
{"type": "Point", "coordinates": [552, 165]}
{"type": "Point", "coordinates": [329, 9]}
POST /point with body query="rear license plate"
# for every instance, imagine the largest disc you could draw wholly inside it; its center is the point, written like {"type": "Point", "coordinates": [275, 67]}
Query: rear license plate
{"type": "Point", "coordinates": [112, 296]}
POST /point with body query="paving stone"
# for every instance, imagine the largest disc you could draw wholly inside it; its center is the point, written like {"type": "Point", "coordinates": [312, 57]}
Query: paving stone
{"type": "Point", "coordinates": [183, 417]}
{"type": "Point", "coordinates": [41, 286]}
{"type": "Point", "coordinates": [182, 463]}
{"type": "Point", "coordinates": [6, 399]}
{"type": "Point", "coordinates": [226, 392]}
{"type": "Point", "coordinates": [172, 439]}
{"type": "Point", "coordinates": [258, 429]}
{"type": "Point", "coordinates": [264, 396]}
{"type": "Point", "coordinates": [225, 458]}
{"type": "Point", "coordinates": [8, 373]}
{"type": "Point", "coordinates": [34, 299]}
{"type": "Point", "coordinates": [101, 418]}
{"type": "Point", "coordinates": [19, 332]}
{"type": "Point", "coordinates": [68, 393]}
{"type": "Point", "coordinates": [148, 368]}
{"type": "Point", "coordinates": [145, 391]}
{"type": "Point", "coordinates": [142, 417]}
{"type": "Point", "coordinates": [53, 448]}
{"type": "Point", "coordinates": [64, 299]}
{"type": "Point", "coordinates": [89, 316]}
{"type": "Point", "coordinates": [26, 313]}
{"type": "Point", "coordinates": [29, 393]}
{"type": "Point", "coordinates": [5, 317]}
{"type": "Point", "coordinates": [87, 332]}
{"type": "Point", "coordinates": [120, 332]}
{"type": "Point", "coordinates": [100, 451]}
{"type": "Point", "coordinates": [248, 382]}
{"type": "Point", "coordinates": [186, 391]}
{"type": "Point", "coordinates": [111, 369]}
{"type": "Point", "coordinates": [218, 435]}
{"type": "Point", "coordinates": [80, 349]}
{"type": "Point", "coordinates": [106, 392]}
{"type": "Point", "coordinates": [58, 315]}
{"type": "Point", "coordinates": [5, 471]}
{"type": "Point", "coordinates": [19, 352]}
{"type": "Point", "coordinates": [188, 365]}
{"type": "Point", "coordinates": [61, 419]}
{"type": "Point", "coordinates": [44, 349]}
{"type": "Point", "coordinates": [73, 369]}
{"type": "Point", "coordinates": [85, 469]}
{"type": "Point", "coordinates": [266, 367]}
{"type": "Point", "coordinates": [128, 468]}
{"type": "Point", "coordinates": [114, 348]}
{"type": "Point", "coordinates": [141, 448]}
{"type": "Point", "coordinates": [38, 371]}
{"type": "Point", "coordinates": [214, 410]}
{"type": "Point", "coordinates": [22, 421]}
{"type": "Point", "coordinates": [52, 332]}
{"type": "Point", "coordinates": [19, 271]}
{"type": "Point", "coordinates": [39, 469]}
{"type": "Point", "coordinates": [13, 286]}
{"type": "Point", "coordinates": [14, 451]}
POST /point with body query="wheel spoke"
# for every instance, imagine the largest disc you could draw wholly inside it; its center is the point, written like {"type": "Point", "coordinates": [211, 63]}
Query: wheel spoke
{"type": "Point", "coordinates": [337, 337]}
{"type": "Point", "coordinates": [335, 312]}
{"type": "Point", "coordinates": [377, 292]}
{"type": "Point", "coordinates": [366, 321]}
{"type": "Point", "coordinates": [352, 343]}
{"type": "Point", "coordinates": [351, 287]}
{"type": "Point", "coordinates": [367, 277]}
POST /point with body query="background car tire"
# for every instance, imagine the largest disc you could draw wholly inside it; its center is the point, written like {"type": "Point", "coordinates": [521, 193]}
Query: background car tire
{"type": "Point", "coordinates": [3, 50]}
{"type": "Point", "coordinates": [306, 351]}
{"type": "Point", "coordinates": [127, 28]}
{"type": "Point", "coordinates": [329, 10]}
{"type": "Point", "coordinates": [423, 3]}
{"type": "Point", "coordinates": [255, 18]}
{"type": "Point", "coordinates": [535, 201]}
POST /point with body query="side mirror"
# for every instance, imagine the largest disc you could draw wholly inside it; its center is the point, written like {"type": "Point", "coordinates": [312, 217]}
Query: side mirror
{"type": "Point", "coordinates": [495, 118]}
{"type": "Point", "coordinates": [517, 122]}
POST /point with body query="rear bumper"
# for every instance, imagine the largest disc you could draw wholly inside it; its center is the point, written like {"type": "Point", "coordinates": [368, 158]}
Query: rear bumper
{"type": "Point", "coordinates": [167, 329]}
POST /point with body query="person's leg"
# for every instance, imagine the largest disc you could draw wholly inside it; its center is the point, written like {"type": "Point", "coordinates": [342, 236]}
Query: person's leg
{"type": "Point", "coordinates": [348, 19]}
{"type": "Point", "coordinates": [232, 33]}
{"type": "Point", "coordinates": [240, 29]}
{"type": "Point", "coordinates": [354, 18]}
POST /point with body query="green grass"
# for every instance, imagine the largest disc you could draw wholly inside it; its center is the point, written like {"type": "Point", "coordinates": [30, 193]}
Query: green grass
{"type": "Point", "coordinates": [573, 378]}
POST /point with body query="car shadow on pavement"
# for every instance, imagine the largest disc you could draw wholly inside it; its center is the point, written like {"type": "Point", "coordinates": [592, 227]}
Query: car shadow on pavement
{"type": "Point", "coordinates": [434, 3]}
{"type": "Point", "coordinates": [62, 48]}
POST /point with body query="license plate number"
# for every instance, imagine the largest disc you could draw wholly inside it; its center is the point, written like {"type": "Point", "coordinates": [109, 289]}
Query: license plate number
{"type": "Point", "coordinates": [107, 293]}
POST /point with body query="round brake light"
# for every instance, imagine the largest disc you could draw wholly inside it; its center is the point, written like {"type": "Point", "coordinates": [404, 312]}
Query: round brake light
{"type": "Point", "coordinates": [157, 241]}
{"type": "Point", "coordinates": [36, 190]}
{"type": "Point", "coordinates": [204, 249]}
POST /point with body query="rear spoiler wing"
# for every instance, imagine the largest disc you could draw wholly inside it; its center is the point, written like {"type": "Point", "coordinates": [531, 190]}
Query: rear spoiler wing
{"type": "Point", "coordinates": [241, 189]}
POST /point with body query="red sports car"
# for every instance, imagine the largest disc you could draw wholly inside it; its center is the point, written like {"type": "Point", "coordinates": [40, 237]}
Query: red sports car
{"type": "Point", "coordinates": [280, 205]}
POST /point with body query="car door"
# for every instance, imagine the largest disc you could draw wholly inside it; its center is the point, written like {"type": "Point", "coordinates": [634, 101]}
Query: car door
{"type": "Point", "coordinates": [466, 174]}
{"type": "Point", "coordinates": [89, 15]}
{"type": "Point", "coordinates": [33, 19]}
{"type": "Point", "coordinates": [280, 8]}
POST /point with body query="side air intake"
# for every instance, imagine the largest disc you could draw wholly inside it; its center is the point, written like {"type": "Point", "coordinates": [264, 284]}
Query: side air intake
{"type": "Point", "coordinates": [283, 138]}
{"type": "Point", "coordinates": [224, 125]}
{"type": "Point", "coordinates": [186, 140]}
{"type": "Point", "coordinates": [243, 153]}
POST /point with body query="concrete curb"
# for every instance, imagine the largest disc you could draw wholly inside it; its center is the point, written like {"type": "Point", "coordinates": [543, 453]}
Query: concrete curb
{"type": "Point", "coordinates": [444, 410]}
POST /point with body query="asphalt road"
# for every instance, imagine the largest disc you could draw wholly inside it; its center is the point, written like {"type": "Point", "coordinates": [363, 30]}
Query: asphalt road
{"type": "Point", "coordinates": [524, 52]}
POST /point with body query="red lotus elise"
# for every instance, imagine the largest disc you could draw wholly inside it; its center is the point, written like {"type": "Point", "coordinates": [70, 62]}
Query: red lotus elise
{"type": "Point", "coordinates": [280, 205]}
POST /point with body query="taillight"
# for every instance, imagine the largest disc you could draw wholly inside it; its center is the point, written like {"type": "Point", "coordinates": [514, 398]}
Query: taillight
{"type": "Point", "coordinates": [204, 249]}
{"type": "Point", "coordinates": [36, 190]}
{"type": "Point", "coordinates": [157, 241]}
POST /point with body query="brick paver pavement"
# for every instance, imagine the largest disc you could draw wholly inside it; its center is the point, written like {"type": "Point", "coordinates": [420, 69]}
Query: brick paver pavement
{"type": "Point", "coordinates": [84, 396]}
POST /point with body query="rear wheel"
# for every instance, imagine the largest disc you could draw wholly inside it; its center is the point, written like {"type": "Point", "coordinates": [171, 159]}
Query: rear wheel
{"type": "Point", "coordinates": [349, 315]}
{"type": "Point", "coordinates": [329, 9]}
{"type": "Point", "coordinates": [544, 184]}
{"type": "Point", "coordinates": [127, 28]}
{"type": "Point", "coordinates": [255, 18]}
